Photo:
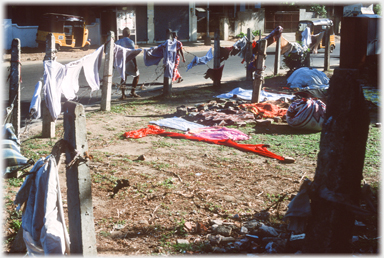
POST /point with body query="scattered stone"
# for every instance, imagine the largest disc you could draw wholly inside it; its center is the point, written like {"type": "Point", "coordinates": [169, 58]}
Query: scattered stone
{"type": "Point", "coordinates": [223, 230]}
{"type": "Point", "coordinates": [236, 216]}
{"type": "Point", "coordinates": [244, 230]}
{"type": "Point", "coordinates": [227, 239]}
{"type": "Point", "coordinates": [266, 240]}
{"type": "Point", "coordinates": [215, 239]}
{"type": "Point", "coordinates": [141, 157]}
{"type": "Point", "coordinates": [251, 224]}
{"type": "Point", "coordinates": [253, 237]}
{"type": "Point", "coordinates": [119, 226]}
{"type": "Point", "coordinates": [219, 250]}
{"type": "Point", "coordinates": [267, 230]}
{"type": "Point", "coordinates": [262, 122]}
{"type": "Point", "coordinates": [378, 124]}
{"type": "Point", "coordinates": [288, 160]}
{"type": "Point", "coordinates": [181, 111]}
{"type": "Point", "coordinates": [188, 226]}
{"type": "Point", "coordinates": [200, 228]}
{"type": "Point", "coordinates": [182, 241]}
{"type": "Point", "coordinates": [143, 221]}
{"type": "Point", "coordinates": [214, 227]}
{"type": "Point", "coordinates": [216, 221]}
{"type": "Point", "coordinates": [277, 119]}
{"type": "Point", "coordinates": [229, 198]}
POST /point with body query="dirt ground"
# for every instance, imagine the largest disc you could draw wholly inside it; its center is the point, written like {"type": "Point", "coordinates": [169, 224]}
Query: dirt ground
{"type": "Point", "coordinates": [178, 188]}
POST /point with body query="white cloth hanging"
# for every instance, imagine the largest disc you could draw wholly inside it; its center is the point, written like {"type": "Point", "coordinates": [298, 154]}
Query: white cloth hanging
{"type": "Point", "coordinates": [36, 101]}
{"type": "Point", "coordinates": [43, 221]}
{"type": "Point", "coordinates": [91, 65]}
{"type": "Point", "coordinates": [306, 37]}
{"type": "Point", "coordinates": [70, 83]}
{"type": "Point", "coordinates": [121, 56]}
{"type": "Point", "coordinates": [54, 73]}
{"type": "Point", "coordinates": [169, 57]}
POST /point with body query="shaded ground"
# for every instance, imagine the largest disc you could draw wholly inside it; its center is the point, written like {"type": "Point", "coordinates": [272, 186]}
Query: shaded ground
{"type": "Point", "coordinates": [178, 188]}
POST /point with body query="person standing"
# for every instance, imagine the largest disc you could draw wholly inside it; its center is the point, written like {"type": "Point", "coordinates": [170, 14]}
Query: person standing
{"type": "Point", "coordinates": [179, 51]}
{"type": "Point", "coordinates": [130, 66]}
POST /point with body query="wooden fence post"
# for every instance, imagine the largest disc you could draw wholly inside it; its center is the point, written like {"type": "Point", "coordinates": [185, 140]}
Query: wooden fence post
{"type": "Point", "coordinates": [48, 130]}
{"type": "Point", "coordinates": [216, 54]}
{"type": "Point", "coordinates": [14, 85]}
{"type": "Point", "coordinates": [106, 90]}
{"type": "Point", "coordinates": [327, 52]}
{"type": "Point", "coordinates": [248, 55]}
{"type": "Point", "coordinates": [277, 56]}
{"type": "Point", "coordinates": [79, 193]}
{"type": "Point", "coordinates": [259, 77]}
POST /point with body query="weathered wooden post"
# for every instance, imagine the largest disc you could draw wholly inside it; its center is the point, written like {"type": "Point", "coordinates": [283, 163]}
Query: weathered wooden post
{"type": "Point", "coordinates": [327, 52]}
{"type": "Point", "coordinates": [14, 85]}
{"type": "Point", "coordinates": [337, 184]}
{"type": "Point", "coordinates": [216, 55]}
{"type": "Point", "coordinates": [248, 55]}
{"type": "Point", "coordinates": [277, 56]}
{"type": "Point", "coordinates": [167, 82]}
{"type": "Point", "coordinates": [79, 193]}
{"type": "Point", "coordinates": [207, 40]}
{"type": "Point", "coordinates": [48, 130]}
{"type": "Point", "coordinates": [259, 74]}
{"type": "Point", "coordinates": [106, 89]}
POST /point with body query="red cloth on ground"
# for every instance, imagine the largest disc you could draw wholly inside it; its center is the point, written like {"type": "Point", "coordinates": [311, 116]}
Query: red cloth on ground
{"type": "Point", "coordinates": [267, 110]}
{"type": "Point", "coordinates": [260, 149]}
{"type": "Point", "coordinates": [152, 129]}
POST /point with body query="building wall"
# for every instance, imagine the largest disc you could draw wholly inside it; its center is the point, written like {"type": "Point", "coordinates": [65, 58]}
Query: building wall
{"type": "Point", "coordinates": [172, 17]}
{"type": "Point", "coordinates": [95, 33]}
{"type": "Point", "coordinates": [247, 19]}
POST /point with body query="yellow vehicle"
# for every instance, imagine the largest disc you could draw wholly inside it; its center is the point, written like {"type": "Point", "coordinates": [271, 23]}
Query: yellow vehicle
{"type": "Point", "coordinates": [69, 31]}
{"type": "Point", "coordinates": [316, 26]}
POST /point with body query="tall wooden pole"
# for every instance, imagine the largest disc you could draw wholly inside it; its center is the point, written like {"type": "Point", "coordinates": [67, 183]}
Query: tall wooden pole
{"type": "Point", "coordinates": [79, 193]}
{"type": "Point", "coordinates": [248, 55]}
{"type": "Point", "coordinates": [216, 54]}
{"type": "Point", "coordinates": [277, 56]}
{"type": "Point", "coordinates": [327, 52]}
{"type": "Point", "coordinates": [14, 86]}
{"type": "Point", "coordinates": [48, 130]}
{"type": "Point", "coordinates": [106, 90]}
{"type": "Point", "coordinates": [207, 40]}
{"type": "Point", "coordinates": [259, 74]}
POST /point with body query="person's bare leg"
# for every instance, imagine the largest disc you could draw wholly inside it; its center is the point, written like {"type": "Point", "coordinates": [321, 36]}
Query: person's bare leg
{"type": "Point", "coordinates": [134, 85]}
{"type": "Point", "coordinates": [122, 87]}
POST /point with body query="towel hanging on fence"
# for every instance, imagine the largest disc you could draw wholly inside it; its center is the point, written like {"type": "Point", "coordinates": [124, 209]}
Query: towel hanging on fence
{"type": "Point", "coordinates": [214, 73]}
{"type": "Point", "coordinates": [36, 101]}
{"type": "Point", "coordinates": [201, 60]}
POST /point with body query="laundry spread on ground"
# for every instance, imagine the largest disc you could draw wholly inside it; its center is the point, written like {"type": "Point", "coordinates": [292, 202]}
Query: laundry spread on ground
{"type": "Point", "coordinates": [247, 95]}
{"type": "Point", "coordinates": [219, 133]}
{"type": "Point", "coordinates": [306, 114]}
{"type": "Point", "coordinates": [265, 110]}
{"type": "Point", "coordinates": [177, 123]}
{"type": "Point", "coordinates": [260, 149]}
{"type": "Point", "coordinates": [151, 129]}
{"type": "Point", "coordinates": [217, 118]}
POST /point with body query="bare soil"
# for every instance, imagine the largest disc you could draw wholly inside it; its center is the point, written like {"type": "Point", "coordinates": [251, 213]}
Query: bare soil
{"type": "Point", "coordinates": [177, 187]}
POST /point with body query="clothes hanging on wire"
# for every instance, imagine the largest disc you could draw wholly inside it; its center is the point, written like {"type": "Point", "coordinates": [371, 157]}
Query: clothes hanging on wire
{"type": "Point", "coordinates": [169, 57]}
{"type": "Point", "coordinates": [43, 223]}
{"type": "Point", "coordinates": [201, 60]}
{"type": "Point", "coordinates": [121, 56]}
{"type": "Point", "coordinates": [54, 73]}
{"type": "Point", "coordinates": [215, 73]}
{"type": "Point", "coordinates": [153, 55]}
{"type": "Point", "coordinates": [91, 65]}
{"type": "Point", "coordinates": [239, 47]}
{"type": "Point", "coordinates": [36, 101]}
{"type": "Point", "coordinates": [224, 53]}
{"type": "Point", "coordinates": [306, 38]}
{"type": "Point", "coordinates": [70, 83]}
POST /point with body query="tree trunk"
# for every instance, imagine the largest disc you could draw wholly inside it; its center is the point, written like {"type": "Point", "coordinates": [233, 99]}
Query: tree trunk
{"type": "Point", "coordinates": [339, 166]}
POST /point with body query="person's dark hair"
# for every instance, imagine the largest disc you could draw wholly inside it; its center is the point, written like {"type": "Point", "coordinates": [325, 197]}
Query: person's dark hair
{"type": "Point", "coordinates": [126, 32]}
{"type": "Point", "coordinates": [174, 34]}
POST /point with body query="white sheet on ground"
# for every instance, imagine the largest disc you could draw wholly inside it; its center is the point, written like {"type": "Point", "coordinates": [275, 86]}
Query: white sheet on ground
{"type": "Point", "coordinates": [177, 123]}
{"type": "Point", "coordinates": [247, 95]}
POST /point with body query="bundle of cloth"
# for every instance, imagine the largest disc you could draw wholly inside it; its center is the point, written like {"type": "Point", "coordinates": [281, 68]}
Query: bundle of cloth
{"type": "Point", "coordinates": [309, 82]}
{"type": "Point", "coordinates": [306, 114]}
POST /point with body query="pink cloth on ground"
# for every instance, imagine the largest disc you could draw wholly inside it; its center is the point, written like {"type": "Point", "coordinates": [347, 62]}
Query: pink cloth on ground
{"type": "Point", "coordinates": [218, 133]}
